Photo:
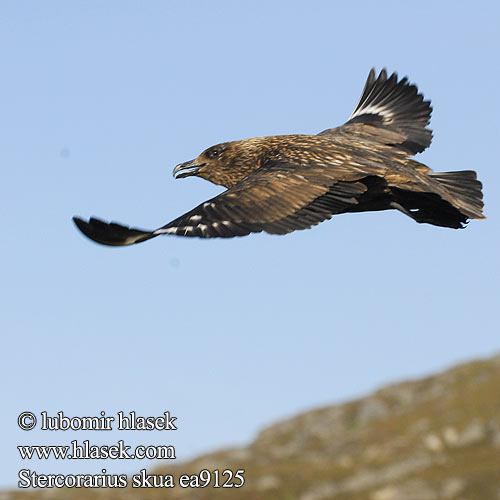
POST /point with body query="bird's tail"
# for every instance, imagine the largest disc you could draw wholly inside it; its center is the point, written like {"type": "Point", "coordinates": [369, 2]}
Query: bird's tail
{"type": "Point", "coordinates": [465, 189]}
{"type": "Point", "coordinates": [456, 199]}
{"type": "Point", "coordinates": [111, 233]}
{"type": "Point", "coordinates": [398, 106]}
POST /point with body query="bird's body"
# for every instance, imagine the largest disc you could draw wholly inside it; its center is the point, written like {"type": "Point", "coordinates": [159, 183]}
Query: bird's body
{"type": "Point", "coordinates": [279, 184]}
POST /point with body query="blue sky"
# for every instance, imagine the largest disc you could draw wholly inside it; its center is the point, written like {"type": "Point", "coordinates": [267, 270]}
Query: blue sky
{"type": "Point", "coordinates": [100, 100]}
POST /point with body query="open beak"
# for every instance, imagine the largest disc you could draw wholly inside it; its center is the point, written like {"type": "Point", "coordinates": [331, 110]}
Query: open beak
{"type": "Point", "coordinates": [186, 169]}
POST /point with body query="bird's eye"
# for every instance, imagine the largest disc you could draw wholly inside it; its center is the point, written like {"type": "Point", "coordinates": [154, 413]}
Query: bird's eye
{"type": "Point", "coordinates": [214, 153]}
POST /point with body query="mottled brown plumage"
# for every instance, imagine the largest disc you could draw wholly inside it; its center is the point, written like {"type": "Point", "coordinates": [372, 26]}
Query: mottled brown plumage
{"type": "Point", "coordinates": [279, 184]}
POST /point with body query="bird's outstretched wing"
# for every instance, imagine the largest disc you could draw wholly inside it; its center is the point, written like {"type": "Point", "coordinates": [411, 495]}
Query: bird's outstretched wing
{"type": "Point", "coordinates": [391, 107]}
{"type": "Point", "coordinates": [277, 198]}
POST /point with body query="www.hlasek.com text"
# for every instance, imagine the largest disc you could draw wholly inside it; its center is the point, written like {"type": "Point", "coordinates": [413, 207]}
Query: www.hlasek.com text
{"type": "Point", "coordinates": [87, 451]}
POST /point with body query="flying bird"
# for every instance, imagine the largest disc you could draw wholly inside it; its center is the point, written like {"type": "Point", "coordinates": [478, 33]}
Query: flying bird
{"type": "Point", "coordinates": [279, 184]}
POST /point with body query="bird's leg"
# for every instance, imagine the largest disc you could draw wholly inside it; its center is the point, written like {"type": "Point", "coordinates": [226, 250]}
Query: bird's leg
{"type": "Point", "coordinates": [413, 215]}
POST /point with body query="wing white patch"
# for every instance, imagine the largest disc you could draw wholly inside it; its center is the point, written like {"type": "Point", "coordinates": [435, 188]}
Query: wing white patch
{"type": "Point", "coordinates": [166, 230]}
{"type": "Point", "coordinates": [373, 110]}
{"type": "Point", "coordinates": [184, 230]}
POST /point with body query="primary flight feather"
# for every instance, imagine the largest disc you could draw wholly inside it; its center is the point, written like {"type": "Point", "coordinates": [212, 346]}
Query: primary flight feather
{"type": "Point", "coordinates": [281, 183]}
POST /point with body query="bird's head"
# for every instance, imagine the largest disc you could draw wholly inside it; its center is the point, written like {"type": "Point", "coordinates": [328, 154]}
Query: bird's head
{"type": "Point", "coordinates": [224, 164]}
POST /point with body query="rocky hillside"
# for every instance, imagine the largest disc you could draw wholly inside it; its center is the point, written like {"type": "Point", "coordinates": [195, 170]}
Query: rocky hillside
{"type": "Point", "coordinates": [431, 439]}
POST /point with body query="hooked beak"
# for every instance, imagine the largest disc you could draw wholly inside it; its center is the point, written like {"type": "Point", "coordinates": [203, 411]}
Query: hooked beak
{"type": "Point", "coordinates": [186, 169]}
